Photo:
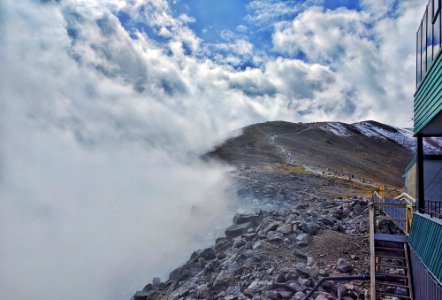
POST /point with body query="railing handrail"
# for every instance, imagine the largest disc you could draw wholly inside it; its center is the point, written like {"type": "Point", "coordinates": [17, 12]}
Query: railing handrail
{"type": "Point", "coordinates": [379, 200]}
{"type": "Point", "coordinates": [405, 196]}
{"type": "Point", "coordinates": [371, 224]}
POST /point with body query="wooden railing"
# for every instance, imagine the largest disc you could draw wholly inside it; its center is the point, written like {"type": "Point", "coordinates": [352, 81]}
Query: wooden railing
{"type": "Point", "coordinates": [399, 209]}
{"type": "Point", "coordinates": [371, 225]}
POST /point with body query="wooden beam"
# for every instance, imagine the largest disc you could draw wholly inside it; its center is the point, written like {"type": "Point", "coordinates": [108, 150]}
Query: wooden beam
{"type": "Point", "coordinates": [420, 174]}
{"type": "Point", "coordinates": [372, 223]}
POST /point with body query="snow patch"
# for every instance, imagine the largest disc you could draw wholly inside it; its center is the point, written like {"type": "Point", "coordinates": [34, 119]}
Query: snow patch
{"type": "Point", "coordinates": [336, 128]}
{"type": "Point", "coordinates": [402, 136]}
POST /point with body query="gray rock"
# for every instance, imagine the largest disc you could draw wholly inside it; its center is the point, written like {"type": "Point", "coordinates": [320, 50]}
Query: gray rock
{"type": "Point", "coordinates": [179, 293]}
{"type": "Point", "coordinates": [271, 227]}
{"type": "Point", "coordinates": [309, 227]}
{"type": "Point", "coordinates": [255, 287]}
{"type": "Point", "coordinates": [285, 294]}
{"type": "Point", "coordinates": [274, 236]}
{"type": "Point", "coordinates": [311, 261]}
{"type": "Point", "coordinates": [195, 254]}
{"type": "Point", "coordinates": [285, 229]}
{"type": "Point", "coordinates": [203, 292]}
{"type": "Point", "coordinates": [302, 269]}
{"type": "Point", "coordinates": [156, 281]}
{"type": "Point", "coordinates": [280, 278]}
{"type": "Point", "coordinates": [239, 242]}
{"type": "Point", "coordinates": [344, 266]}
{"type": "Point", "coordinates": [300, 253]}
{"type": "Point", "coordinates": [302, 206]}
{"type": "Point", "coordinates": [303, 239]}
{"type": "Point", "coordinates": [222, 244]}
{"type": "Point", "coordinates": [341, 290]}
{"type": "Point", "coordinates": [140, 295]}
{"type": "Point", "coordinates": [299, 295]}
{"type": "Point", "coordinates": [208, 254]}
{"type": "Point", "coordinates": [305, 281]}
{"type": "Point", "coordinates": [222, 280]}
{"type": "Point", "coordinates": [272, 295]}
{"type": "Point", "coordinates": [257, 244]}
{"type": "Point", "coordinates": [237, 230]}
{"type": "Point", "coordinates": [241, 219]}
{"type": "Point", "coordinates": [234, 290]}
{"type": "Point", "coordinates": [327, 220]}
{"type": "Point", "coordinates": [338, 227]}
{"type": "Point", "coordinates": [321, 297]}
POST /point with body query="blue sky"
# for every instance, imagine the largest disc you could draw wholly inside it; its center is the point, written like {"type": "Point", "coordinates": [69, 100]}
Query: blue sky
{"type": "Point", "coordinates": [217, 22]}
{"type": "Point", "coordinates": [214, 17]}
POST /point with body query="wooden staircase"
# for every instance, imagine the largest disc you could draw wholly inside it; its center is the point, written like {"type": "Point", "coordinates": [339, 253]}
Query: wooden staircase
{"type": "Point", "coordinates": [392, 267]}
{"type": "Point", "coordinates": [390, 272]}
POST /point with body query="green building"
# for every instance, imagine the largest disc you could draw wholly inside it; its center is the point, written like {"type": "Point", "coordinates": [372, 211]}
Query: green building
{"type": "Point", "coordinates": [425, 240]}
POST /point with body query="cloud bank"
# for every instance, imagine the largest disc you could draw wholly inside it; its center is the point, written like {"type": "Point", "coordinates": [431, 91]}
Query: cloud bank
{"type": "Point", "coordinates": [105, 107]}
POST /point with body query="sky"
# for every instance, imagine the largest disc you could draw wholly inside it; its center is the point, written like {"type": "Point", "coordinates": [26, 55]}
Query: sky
{"type": "Point", "coordinates": [106, 107]}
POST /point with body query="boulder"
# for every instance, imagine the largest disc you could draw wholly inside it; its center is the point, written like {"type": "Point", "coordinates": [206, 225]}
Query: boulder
{"type": "Point", "coordinates": [208, 254]}
{"type": "Point", "coordinates": [140, 295]}
{"type": "Point", "coordinates": [302, 269]}
{"type": "Point", "coordinates": [241, 219]}
{"type": "Point", "coordinates": [255, 287]}
{"type": "Point", "coordinates": [272, 295]}
{"type": "Point", "coordinates": [271, 227]}
{"type": "Point", "coordinates": [299, 295]}
{"type": "Point", "coordinates": [237, 230]}
{"type": "Point", "coordinates": [222, 280]}
{"type": "Point", "coordinates": [300, 253]}
{"type": "Point", "coordinates": [344, 266]}
{"type": "Point", "coordinates": [239, 242]}
{"type": "Point", "coordinates": [274, 236]}
{"type": "Point", "coordinates": [285, 229]}
{"type": "Point", "coordinates": [309, 227]}
{"type": "Point", "coordinates": [303, 239]}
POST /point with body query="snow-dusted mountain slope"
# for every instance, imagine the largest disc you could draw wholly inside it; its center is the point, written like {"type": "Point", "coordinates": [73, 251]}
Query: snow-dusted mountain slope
{"type": "Point", "coordinates": [401, 136]}
{"type": "Point", "coordinates": [368, 150]}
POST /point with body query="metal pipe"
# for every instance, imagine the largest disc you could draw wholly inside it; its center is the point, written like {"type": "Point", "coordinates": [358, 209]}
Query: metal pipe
{"type": "Point", "coordinates": [336, 278]}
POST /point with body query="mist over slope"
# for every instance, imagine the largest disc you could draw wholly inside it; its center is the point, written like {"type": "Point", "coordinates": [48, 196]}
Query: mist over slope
{"type": "Point", "coordinates": [369, 151]}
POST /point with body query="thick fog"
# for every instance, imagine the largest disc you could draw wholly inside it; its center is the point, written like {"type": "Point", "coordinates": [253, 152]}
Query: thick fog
{"type": "Point", "coordinates": [101, 187]}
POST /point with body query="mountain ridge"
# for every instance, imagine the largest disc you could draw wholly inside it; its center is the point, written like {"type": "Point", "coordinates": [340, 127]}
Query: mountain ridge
{"type": "Point", "coordinates": [367, 151]}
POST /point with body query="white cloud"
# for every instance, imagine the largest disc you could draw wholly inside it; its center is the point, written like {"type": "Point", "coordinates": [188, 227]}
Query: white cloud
{"type": "Point", "coordinates": [371, 53]}
{"type": "Point", "coordinates": [241, 28]}
{"type": "Point", "coordinates": [265, 12]}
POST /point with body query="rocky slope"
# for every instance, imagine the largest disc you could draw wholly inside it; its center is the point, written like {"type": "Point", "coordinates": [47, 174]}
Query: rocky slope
{"type": "Point", "coordinates": [357, 150]}
{"type": "Point", "coordinates": [276, 255]}
{"type": "Point", "coordinates": [305, 189]}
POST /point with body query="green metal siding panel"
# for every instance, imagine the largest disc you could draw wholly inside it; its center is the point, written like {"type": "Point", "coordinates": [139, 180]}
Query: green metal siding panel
{"type": "Point", "coordinates": [428, 97]}
{"type": "Point", "coordinates": [410, 164]}
{"type": "Point", "coordinates": [426, 241]}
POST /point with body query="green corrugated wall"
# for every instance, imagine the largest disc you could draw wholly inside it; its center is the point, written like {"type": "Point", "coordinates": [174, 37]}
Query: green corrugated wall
{"type": "Point", "coordinates": [428, 97]}
{"type": "Point", "coordinates": [426, 241]}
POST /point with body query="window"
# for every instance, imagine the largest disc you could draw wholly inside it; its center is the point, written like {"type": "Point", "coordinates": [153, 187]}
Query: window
{"type": "Point", "coordinates": [436, 33]}
{"type": "Point", "coordinates": [436, 9]}
{"type": "Point", "coordinates": [429, 35]}
{"type": "Point", "coordinates": [428, 39]}
{"type": "Point", "coordinates": [419, 55]}
{"type": "Point", "coordinates": [424, 45]}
